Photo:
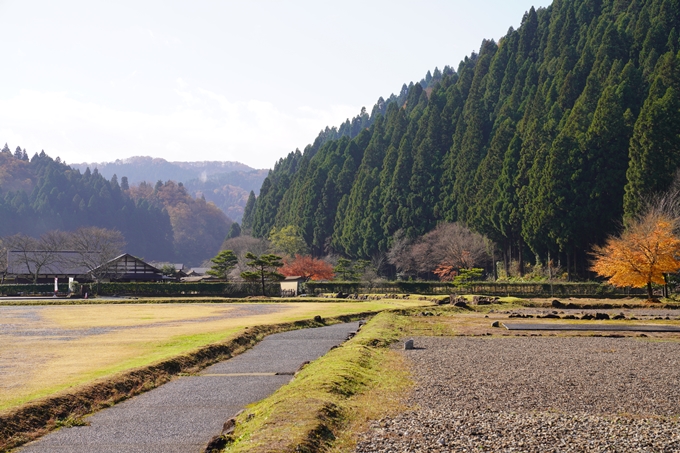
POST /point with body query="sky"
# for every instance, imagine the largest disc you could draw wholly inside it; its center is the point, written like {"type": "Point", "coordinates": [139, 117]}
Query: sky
{"type": "Point", "coordinates": [247, 81]}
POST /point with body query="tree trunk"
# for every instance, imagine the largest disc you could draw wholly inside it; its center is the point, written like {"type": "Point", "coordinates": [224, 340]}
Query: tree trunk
{"type": "Point", "coordinates": [568, 267]}
{"type": "Point", "coordinates": [507, 256]}
{"type": "Point", "coordinates": [650, 294]}
{"type": "Point", "coordinates": [520, 257]}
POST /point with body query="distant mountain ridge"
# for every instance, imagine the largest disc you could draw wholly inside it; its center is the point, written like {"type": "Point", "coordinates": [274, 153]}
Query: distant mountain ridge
{"type": "Point", "coordinates": [225, 183]}
{"type": "Point", "coordinates": [151, 169]}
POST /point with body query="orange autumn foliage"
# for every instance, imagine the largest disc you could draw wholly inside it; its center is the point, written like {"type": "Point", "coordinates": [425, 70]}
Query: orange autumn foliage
{"type": "Point", "coordinates": [642, 254]}
{"type": "Point", "coordinates": [445, 272]}
{"type": "Point", "coordinates": [308, 267]}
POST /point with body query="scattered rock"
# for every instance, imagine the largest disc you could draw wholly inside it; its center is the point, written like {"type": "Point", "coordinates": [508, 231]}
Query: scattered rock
{"type": "Point", "coordinates": [495, 324]}
{"type": "Point", "coordinates": [230, 425]}
{"type": "Point", "coordinates": [601, 316]}
{"type": "Point", "coordinates": [557, 304]}
{"type": "Point", "coordinates": [217, 444]}
{"type": "Point", "coordinates": [549, 316]}
{"type": "Point", "coordinates": [484, 300]}
{"type": "Point", "coordinates": [408, 345]}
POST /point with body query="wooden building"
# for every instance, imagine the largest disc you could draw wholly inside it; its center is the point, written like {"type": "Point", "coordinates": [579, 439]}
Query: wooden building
{"type": "Point", "coordinates": [22, 267]}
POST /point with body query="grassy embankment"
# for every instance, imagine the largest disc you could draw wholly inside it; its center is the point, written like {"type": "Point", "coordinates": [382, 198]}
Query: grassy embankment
{"type": "Point", "coordinates": [332, 398]}
{"type": "Point", "coordinates": [336, 397]}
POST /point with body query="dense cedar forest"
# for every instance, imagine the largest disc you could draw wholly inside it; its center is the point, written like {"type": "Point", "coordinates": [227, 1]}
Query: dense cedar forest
{"type": "Point", "coordinates": [544, 142]}
{"type": "Point", "coordinates": [161, 222]}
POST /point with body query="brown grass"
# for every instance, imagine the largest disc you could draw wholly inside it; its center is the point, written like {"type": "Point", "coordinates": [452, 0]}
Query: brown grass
{"type": "Point", "coordinates": [50, 349]}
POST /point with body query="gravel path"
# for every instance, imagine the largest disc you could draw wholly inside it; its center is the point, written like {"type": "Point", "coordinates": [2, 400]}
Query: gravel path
{"type": "Point", "coordinates": [537, 394]}
{"type": "Point", "coordinates": [184, 414]}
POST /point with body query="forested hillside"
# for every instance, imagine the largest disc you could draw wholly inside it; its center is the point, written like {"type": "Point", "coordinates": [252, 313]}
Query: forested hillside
{"type": "Point", "coordinates": [542, 142]}
{"type": "Point", "coordinates": [198, 227]}
{"type": "Point", "coordinates": [161, 222]}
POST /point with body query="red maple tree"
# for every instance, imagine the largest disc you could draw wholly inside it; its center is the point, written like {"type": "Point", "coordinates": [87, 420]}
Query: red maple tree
{"type": "Point", "coordinates": [308, 267]}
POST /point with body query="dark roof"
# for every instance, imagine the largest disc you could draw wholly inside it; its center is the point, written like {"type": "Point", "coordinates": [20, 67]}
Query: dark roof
{"type": "Point", "coordinates": [127, 265]}
{"type": "Point", "coordinates": [62, 263]}
{"type": "Point", "coordinates": [200, 278]}
{"type": "Point", "coordinates": [194, 271]}
{"type": "Point", "coordinates": [161, 264]}
{"type": "Point", "coordinates": [69, 263]}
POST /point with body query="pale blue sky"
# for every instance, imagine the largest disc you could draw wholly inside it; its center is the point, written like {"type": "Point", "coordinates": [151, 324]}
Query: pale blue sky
{"type": "Point", "coordinates": [250, 81]}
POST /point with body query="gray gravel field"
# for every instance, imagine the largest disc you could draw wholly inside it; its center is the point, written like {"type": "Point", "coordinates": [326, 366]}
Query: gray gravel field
{"type": "Point", "coordinates": [537, 394]}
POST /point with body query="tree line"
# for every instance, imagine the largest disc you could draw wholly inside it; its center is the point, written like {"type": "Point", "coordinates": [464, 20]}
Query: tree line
{"type": "Point", "coordinates": [543, 142]}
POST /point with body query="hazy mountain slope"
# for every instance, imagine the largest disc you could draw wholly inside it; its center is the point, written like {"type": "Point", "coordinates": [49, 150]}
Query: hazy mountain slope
{"type": "Point", "coordinates": [226, 184]}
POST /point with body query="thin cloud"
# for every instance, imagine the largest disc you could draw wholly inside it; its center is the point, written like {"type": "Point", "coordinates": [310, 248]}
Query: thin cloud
{"type": "Point", "coordinates": [204, 125]}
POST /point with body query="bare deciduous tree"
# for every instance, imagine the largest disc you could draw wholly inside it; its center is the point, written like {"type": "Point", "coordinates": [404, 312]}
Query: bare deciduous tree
{"type": "Point", "coordinates": [87, 249]}
{"type": "Point", "coordinates": [35, 255]}
{"type": "Point", "coordinates": [3, 260]}
{"type": "Point", "coordinates": [451, 244]}
{"type": "Point", "coordinates": [459, 246]}
{"type": "Point", "coordinates": [94, 248]}
{"type": "Point", "coordinates": [399, 255]}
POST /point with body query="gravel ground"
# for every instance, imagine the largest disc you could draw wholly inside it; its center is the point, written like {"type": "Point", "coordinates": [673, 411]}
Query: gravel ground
{"type": "Point", "coordinates": [537, 394]}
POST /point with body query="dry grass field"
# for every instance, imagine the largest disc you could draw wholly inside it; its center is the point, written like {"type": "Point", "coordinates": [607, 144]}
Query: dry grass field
{"type": "Point", "coordinates": [45, 349]}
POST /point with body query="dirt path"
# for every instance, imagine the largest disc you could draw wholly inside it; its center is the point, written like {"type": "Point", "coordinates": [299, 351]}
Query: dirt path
{"type": "Point", "coordinates": [183, 415]}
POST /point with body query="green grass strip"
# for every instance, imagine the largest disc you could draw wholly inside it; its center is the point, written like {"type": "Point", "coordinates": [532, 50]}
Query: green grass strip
{"type": "Point", "coordinates": [330, 399]}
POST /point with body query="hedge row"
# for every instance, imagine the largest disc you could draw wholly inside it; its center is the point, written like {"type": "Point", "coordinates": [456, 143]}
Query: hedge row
{"type": "Point", "coordinates": [242, 289]}
{"type": "Point", "coordinates": [520, 289]}
{"type": "Point", "coordinates": [31, 289]}
{"type": "Point", "coordinates": [152, 289]}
